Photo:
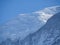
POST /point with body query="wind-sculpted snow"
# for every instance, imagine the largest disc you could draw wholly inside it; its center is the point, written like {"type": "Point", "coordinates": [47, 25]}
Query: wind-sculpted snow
{"type": "Point", "coordinates": [21, 30]}
{"type": "Point", "coordinates": [47, 13]}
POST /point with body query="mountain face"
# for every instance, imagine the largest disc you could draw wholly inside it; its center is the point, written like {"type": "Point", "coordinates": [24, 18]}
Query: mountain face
{"type": "Point", "coordinates": [23, 29]}
{"type": "Point", "coordinates": [49, 34]}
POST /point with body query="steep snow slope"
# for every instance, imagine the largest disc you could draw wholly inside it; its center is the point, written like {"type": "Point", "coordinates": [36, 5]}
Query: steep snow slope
{"type": "Point", "coordinates": [24, 24]}
{"type": "Point", "coordinates": [49, 34]}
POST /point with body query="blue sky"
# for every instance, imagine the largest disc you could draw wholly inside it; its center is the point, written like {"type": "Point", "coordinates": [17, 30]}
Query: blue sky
{"type": "Point", "coordinates": [11, 8]}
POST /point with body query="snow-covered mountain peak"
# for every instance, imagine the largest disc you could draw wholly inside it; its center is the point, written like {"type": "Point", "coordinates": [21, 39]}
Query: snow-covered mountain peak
{"type": "Point", "coordinates": [24, 24]}
{"type": "Point", "coordinates": [47, 13]}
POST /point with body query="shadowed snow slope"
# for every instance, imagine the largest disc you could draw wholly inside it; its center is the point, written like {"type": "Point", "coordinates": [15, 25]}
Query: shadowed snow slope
{"type": "Point", "coordinates": [25, 24]}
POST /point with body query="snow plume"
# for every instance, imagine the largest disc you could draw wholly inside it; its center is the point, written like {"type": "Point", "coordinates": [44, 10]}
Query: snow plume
{"type": "Point", "coordinates": [47, 13]}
